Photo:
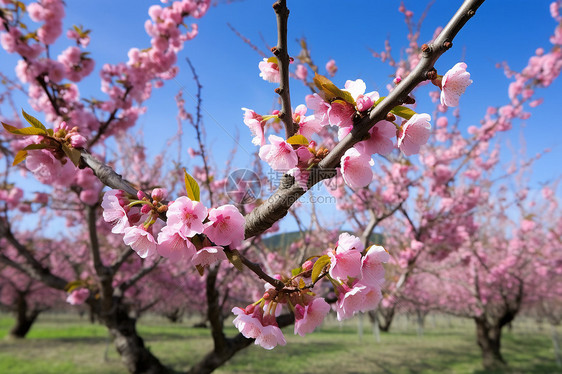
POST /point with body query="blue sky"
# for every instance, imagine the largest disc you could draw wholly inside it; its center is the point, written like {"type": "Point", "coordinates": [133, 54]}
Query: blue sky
{"type": "Point", "coordinates": [345, 31]}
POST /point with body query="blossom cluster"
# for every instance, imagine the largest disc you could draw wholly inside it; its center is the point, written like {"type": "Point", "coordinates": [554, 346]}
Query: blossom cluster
{"type": "Point", "coordinates": [191, 233]}
{"type": "Point", "coordinates": [342, 108]}
{"type": "Point", "coordinates": [355, 275]}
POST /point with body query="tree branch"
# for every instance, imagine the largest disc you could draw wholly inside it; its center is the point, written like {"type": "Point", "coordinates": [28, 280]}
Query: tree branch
{"type": "Point", "coordinates": [283, 59]}
{"type": "Point", "coordinates": [276, 207]}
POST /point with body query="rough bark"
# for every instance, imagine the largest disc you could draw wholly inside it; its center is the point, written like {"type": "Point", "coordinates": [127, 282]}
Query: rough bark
{"type": "Point", "coordinates": [488, 337]}
{"type": "Point", "coordinates": [24, 318]}
{"type": "Point", "coordinates": [130, 346]}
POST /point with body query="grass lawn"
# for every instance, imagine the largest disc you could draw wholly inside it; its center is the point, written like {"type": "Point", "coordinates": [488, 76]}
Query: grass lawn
{"type": "Point", "coordinates": [64, 343]}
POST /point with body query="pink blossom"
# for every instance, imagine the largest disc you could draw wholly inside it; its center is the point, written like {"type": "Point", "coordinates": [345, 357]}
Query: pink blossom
{"type": "Point", "coordinates": [301, 72]}
{"type": "Point", "coordinates": [311, 315]}
{"type": "Point", "coordinates": [279, 154]}
{"type": "Point", "coordinates": [379, 140]}
{"type": "Point", "coordinates": [269, 70]}
{"type": "Point", "coordinates": [270, 337]}
{"type": "Point", "coordinates": [356, 168]}
{"type": "Point", "coordinates": [308, 125]}
{"type": "Point", "coordinates": [225, 226]}
{"type": "Point", "coordinates": [372, 271]}
{"type": "Point", "coordinates": [47, 169]}
{"type": "Point", "coordinates": [331, 67]}
{"type": "Point", "coordinates": [347, 242]}
{"type": "Point", "coordinates": [248, 325]}
{"type": "Point", "coordinates": [414, 133]}
{"type": "Point", "coordinates": [186, 216]}
{"type": "Point", "coordinates": [255, 122]}
{"type": "Point", "coordinates": [341, 113]}
{"type": "Point", "coordinates": [320, 108]}
{"type": "Point", "coordinates": [360, 298]}
{"type": "Point", "coordinates": [453, 84]}
{"type": "Point", "coordinates": [140, 240]}
{"type": "Point", "coordinates": [113, 211]}
{"type": "Point", "coordinates": [208, 255]}
{"type": "Point", "coordinates": [78, 297]}
{"type": "Point", "coordinates": [173, 246]}
{"type": "Point", "coordinates": [344, 263]}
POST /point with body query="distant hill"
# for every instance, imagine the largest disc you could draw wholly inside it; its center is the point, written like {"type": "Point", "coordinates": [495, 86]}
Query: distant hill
{"type": "Point", "coordinates": [282, 241]}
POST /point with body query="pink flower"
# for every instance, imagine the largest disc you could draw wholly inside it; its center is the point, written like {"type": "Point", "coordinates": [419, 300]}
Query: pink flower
{"type": "Point", "coordinates": [173, 246]}
{"type": "Point", "coordinates": [113, 211]}
{"type": "Point", "coordinates": [208, 255]}
{"type": "Point", "coordinates": [414, 133]}
{"type": "Point", "coordinates": [47, 169]}
{"type": "Point", "coordinates": [255, 122]}
{"type": "Point", "coordinates": [310, 315]}
{"type": "Point", "coordinates": [301, 72]}
{"type": "Point", "coordinates": [453, 84]}
{"type": "Point", "coordinates": [379, 140]}
{"type": "Point", "coordinates": [78, 297]}
{"type": "Point", "coordinates": [372, 271]}
{"type": "Point", "coordinates": [341, 113]}
{"type": "Point", "coordinates": [308, 125]}
{"type": "Point", "coordinates": [140, 240]}
{"type": "Point", "coordinates": [269, 70]}
{"type": "Point", "coordinates": [280, 155]}
{"type": "Point", "coordinates": [360, 298]}
{"type": "Point", "coordinates": [356, 168]}
{"type": "Point", "coordinates": [320, 108]}
{"type": "Point", "coordinates": [225, 226]}
{"type": "Point", "coordinates": [270, 337]}
{"type": "Point", "coordinates": [344, 263]}
{"type": "Point", "coordinates": [331, 67]}
{"type": "Point", "coordinates": [186, 216]}
{"type": "Point", "coordinates": [248, 325]}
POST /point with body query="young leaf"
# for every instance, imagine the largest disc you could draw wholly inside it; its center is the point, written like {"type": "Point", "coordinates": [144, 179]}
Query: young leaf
{"type": "Point", "coordinates": [20, 156]}
{"type": "Point", "coordinates": [24, 131]}
{"type": "Point", "coordinates": [73, 154]}
{"type": "Point", "coordinates": [330, 90]}
{"type": "Point", "coordinates": [319, 266]}
{"type": "Point", "coordinates": [72, 285]}
{"type": "Point", "coordinates": [273, 59]}
{"type": "Point", "coordinates": [402, 111]}
{"type": "Point", "coordinates": [297, 140]}
{"type": "Point", "coordinates": [191, 187]}
{"type": "Point", "coordinates": [33, 121]}
{"type": "Point", "coordinates": [234, 258]}
{"type": "Point", "coordinates": [296, 271]}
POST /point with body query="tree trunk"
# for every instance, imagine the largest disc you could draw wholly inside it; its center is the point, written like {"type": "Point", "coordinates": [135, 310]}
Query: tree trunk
{"type": "Point", "coordinates": [24, 318]}
{"type": "Point", "coordinates": [556, 344]}
{"type": "Point", "coordinates": [130, 346]}
{"type": "Point", "coordinates": [488, 337]}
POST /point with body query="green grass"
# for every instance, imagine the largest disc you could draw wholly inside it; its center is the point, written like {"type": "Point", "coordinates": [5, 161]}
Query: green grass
{"type": "Point", "coordinates": [68, 344]}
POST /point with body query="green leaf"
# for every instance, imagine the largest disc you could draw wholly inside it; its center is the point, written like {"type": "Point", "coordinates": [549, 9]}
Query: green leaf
{"type": "Point", "coordinates": [330, 90]}
{"type": "Point", "coordinates": [73, 154]}
{"type": "Point", "coordinates": [319, 266]}
{"type": "Point", "coordinates": [25, 131]}
{"type": "Point", "coordinates": [33, 121]}
{"type": "Point", "coordinates": [72, 285]}
{"type": "Point", "coordinates": [191, 187]}
{"type": "Point", "coordinates": [297, 140]}
{"type": "Point", "coordinates": [302, 285]}
{"type": "Point", "coordinates": [20, 156]}
{"type": "Point", "coordinates": [296, 271]}
{"type": "Point", "coordinates": [234, 258]}
{"type": "Point", "coordinates": [379, 100]}
{"type": "Point", "coordinates": [402, 111]}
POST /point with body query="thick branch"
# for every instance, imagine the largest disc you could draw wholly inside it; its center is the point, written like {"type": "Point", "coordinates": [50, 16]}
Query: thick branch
{"type": "Point", "coordinates": [32, 267]}
{"type": "Point", "coordinates": [106, 174]}
{"type": "Point", "coordinates": [138, 276]}
{"type": "Point", "coordinates": [276, 207]}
